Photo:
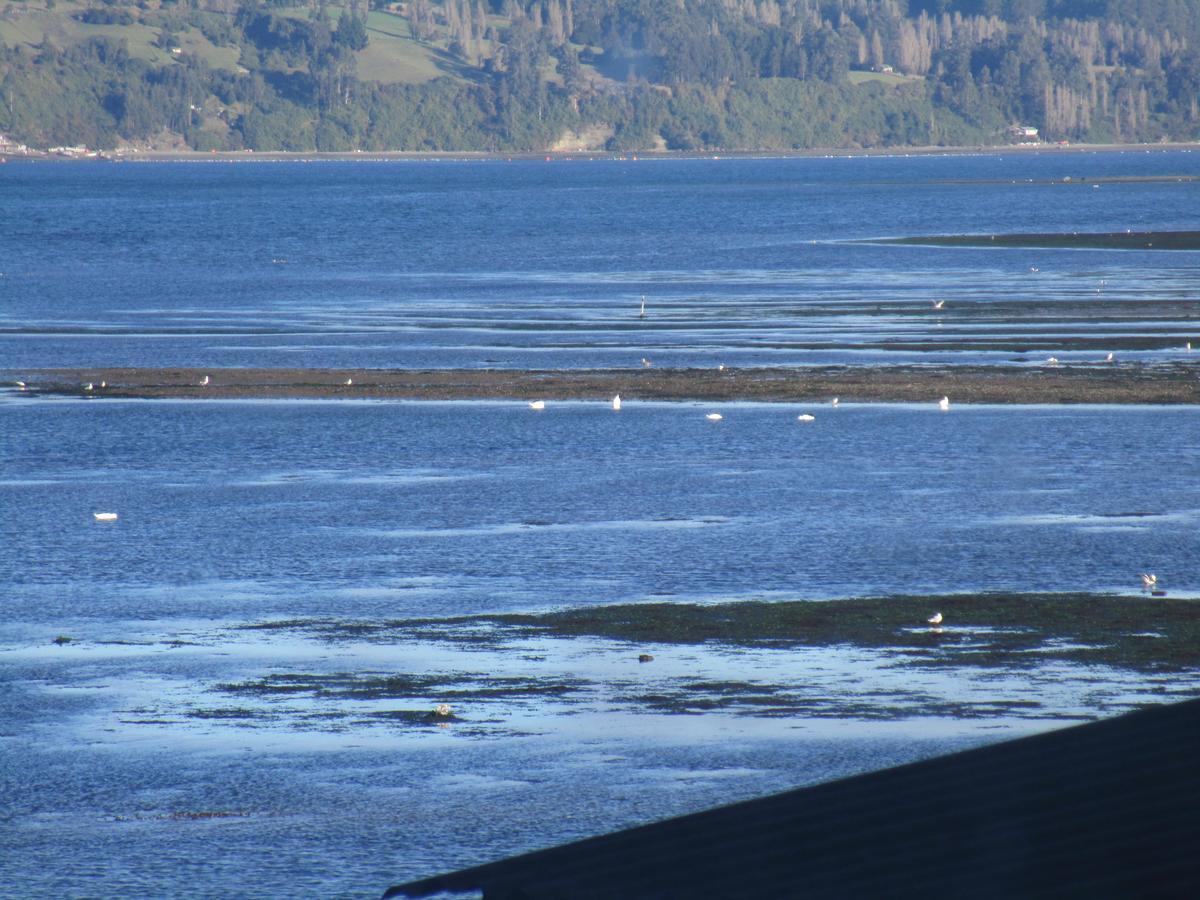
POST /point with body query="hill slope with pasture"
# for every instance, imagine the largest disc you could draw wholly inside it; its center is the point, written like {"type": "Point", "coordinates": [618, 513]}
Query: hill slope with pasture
{"type": "Point", "coordinates": [619, 75]}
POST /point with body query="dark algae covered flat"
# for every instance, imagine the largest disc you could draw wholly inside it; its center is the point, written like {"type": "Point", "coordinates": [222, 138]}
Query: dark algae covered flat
{"type": "Point", "coordinates": [1105, 240]}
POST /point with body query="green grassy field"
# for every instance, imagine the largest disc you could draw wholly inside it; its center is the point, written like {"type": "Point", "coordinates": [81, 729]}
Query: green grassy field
{"type": "Point", "coordinates": [31, 25]}
{"type": "Point", "coordinates": [856, 77]}
{"type": "Point", "coordinates": [393, 56]}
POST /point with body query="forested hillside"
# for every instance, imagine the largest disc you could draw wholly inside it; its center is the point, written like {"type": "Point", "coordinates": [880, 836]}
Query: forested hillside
{"type": "Point", "coordinates": [501, 75]}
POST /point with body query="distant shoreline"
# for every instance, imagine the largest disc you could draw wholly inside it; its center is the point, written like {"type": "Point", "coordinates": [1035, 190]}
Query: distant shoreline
{"type": "Point", "coordinates": [589, 155]}
{"type": "Point", "coordinates": [1095, 383]}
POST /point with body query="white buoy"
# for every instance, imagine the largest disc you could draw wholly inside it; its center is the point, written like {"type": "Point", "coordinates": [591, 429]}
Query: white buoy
{"type": "Point", "coordinates": [537, 404]}
{"type": "Point", "coordinates": [805, 417]}
{"type": "Point", "coordinates": [944, 404]}
{"type": "Point", "coordinates": [104, 516]}
{"type": "Point", "coordinates": [714, 417]}
{"type": "Point", "coordinates": [616, 402]}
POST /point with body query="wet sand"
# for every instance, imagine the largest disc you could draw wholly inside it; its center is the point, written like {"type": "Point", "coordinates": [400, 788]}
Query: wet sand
{"type": "Point", "coordinates": [1171, 383]}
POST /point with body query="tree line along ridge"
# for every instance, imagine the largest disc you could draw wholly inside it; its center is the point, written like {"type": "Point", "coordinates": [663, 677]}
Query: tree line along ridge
{"type": "Point", "coordinates": [617, 75]}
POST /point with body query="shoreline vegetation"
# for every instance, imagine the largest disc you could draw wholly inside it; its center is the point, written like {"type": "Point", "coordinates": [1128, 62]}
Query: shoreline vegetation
{"type": "Point", "coordinates": [1091, 383]}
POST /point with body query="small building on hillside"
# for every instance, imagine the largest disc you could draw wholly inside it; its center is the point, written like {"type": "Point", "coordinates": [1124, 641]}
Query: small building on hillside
{"type": "Point", "coordinates": [1021, 134]}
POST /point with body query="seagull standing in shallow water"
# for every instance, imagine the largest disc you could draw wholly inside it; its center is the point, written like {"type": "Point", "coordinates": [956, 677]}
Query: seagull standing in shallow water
{"type": "Point", "coordinates": [944, 404]}
{"type": "Point", "coordinates": [537, 404]}
{"type": "Point", "coordinates": [204, 381]}
{"type": "Point", "coordinates": [616, 403]}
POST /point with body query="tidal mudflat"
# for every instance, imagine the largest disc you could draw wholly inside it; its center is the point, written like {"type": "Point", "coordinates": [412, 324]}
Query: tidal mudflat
{"type": "Point", "coordinates": [1094, 382]}
{"type": "Point", "coordinates": [1000, 657]}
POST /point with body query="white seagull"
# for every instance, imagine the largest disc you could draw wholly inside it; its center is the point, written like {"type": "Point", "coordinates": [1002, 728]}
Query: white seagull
{"type": "Point", "coordinates": [1052, 361]}
{"type": "Point", "coordinates": [88, 386]}
{"type": "Point", "coordinates": [104, 516]}
{"type": "Point", "coordinates": [1149, 579]}
{"type": "Point", "coordinates": [1110, 358]}
{"type": "Point", "coordinates": [935, 619]}
{"type": "Point", "coordinates": [204, 381]}
{"type": "Point", "coordinates": [21, 385]}
{"type": "Point", "coordinates": [642, 312]}
{"type": "Point", "coordinates": [805, 417]}
{"type": "Point", "coordinates": [938, 304]}
{"type": "Point", "coordinates": [944, 404]}
{"type": "Point", "coordinates": [537, 404]}
{"type": "Point", "coordinates": [714, 417]}
{"type": "Point", "coordinates": [349, 381]}
{"type": "Point", "coordinates": [646, 363]}
{"type": "Point", "coordinates": [833, 402]}
{"type": "Point", "coordinates": [616, 403]}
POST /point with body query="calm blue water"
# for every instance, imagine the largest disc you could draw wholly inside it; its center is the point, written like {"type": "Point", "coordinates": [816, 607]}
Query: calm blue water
{"type": "Point", "coordinates": [520, 264]}
{"type": "Point", "coordinates": [127, 766]}
{"type": "Point", "coordinates": [455, 508]}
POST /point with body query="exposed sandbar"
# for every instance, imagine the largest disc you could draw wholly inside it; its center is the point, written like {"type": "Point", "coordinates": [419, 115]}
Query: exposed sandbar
{"type": "Point", "coordinates": [1175, 383]}
{"type": "Point", "coordinates": [1101, 240]}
